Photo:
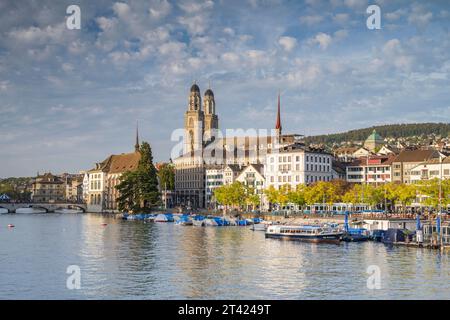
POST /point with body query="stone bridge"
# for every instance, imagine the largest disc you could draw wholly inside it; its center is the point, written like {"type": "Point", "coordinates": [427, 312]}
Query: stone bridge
{"type": "Point", "coordinates": [48, 207]}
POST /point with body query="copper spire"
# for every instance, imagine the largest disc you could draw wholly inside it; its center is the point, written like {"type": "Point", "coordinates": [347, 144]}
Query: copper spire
{"type": "Point", "coordinates": [278, 123]}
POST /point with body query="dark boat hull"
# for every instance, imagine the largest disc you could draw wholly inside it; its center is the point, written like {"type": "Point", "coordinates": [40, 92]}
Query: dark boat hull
{"type": "Point", "coordinates": [354, 238]}
{"type": "Point", "coordinates": [335, 238]}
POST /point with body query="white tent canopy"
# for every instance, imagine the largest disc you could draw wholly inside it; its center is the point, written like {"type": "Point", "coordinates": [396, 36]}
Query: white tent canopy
{"type": "Point", "coordinates": [4, 197]}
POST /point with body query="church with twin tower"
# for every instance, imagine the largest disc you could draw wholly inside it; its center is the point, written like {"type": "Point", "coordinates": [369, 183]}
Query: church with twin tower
{"type": "Point", "coordinates": [204, 147]}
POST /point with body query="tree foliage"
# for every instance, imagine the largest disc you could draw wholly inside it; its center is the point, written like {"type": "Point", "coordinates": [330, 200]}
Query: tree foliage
{"type": "Point", "coordinates": [386, 131]}
{"type": "Point", "coordinates": [138, 189]}
{"type": "Point", "coordinates": [166, 176]}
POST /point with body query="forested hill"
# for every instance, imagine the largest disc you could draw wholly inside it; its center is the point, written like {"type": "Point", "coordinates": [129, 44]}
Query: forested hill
{"type": "Point", "coordinates": [386, 131]}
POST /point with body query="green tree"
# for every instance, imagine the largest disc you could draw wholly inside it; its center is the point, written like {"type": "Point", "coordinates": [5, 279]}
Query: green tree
{"type": "Point", "coordinates": [271, 194]}
{"type": "Point", "coordinates": [166, 176]}
{"type": "Point", "coordinates": [406, 193]}
{"type": "Point", "coordinates": [297, 196]}
{"type": "Point", "coordinates": [231, 195]}
{"type": "Point", "coordinates": [138, 189]}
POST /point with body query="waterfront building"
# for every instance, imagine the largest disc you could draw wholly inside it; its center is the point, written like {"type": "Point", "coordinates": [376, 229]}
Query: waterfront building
{"type": "Point", "coordinates": [219, 175]}
{"type": "Point", "coordinates": [213, 180]}
{"type": "Point", "coordinates": [431, 169]}
{"type": "Point", "coordinates": [48, 188]}
{"type": "Point", "coordinates": [252, 176]}
{"type": "Point", "coordinates": [374, 170]}
{"type": "Point", "coordinates": [105, 176]}
{"type": "Point", "coordinates": [73, 185]}
{"type": "Point", "coordinates": [297, 164]}
{"type": "Point", "coordinates": [407, 160]}
{"type": "Point", "coordinates": [204, 146]}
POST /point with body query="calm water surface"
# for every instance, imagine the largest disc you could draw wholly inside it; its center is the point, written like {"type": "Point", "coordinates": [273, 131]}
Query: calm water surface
{"type": "Point", "coordinates": [136, 260]}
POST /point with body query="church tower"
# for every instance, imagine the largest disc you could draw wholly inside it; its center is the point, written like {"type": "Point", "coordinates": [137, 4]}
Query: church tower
{"type": "Point", "coordinates": [193, 122]}
{"type": "Point", "coordinates": [211, 119]}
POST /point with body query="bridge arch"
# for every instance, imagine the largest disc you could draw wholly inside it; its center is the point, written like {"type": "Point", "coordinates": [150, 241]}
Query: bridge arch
{"type": "Point", "coordinates": [32, 206]}
{"type": "Point", "coordinates": [71, 206]}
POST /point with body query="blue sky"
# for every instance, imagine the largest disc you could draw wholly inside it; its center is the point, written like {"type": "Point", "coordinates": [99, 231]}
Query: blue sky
{"type": "Point", "coordinates": [69, 98]}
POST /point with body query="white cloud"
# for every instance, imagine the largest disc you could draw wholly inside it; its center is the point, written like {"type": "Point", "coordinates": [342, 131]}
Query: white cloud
{"type": "Point", "coordinates": [341, 18]}
{"type": "Point", "coordinates": [228, 31]}
{"type": "Point", "coordinates": [122, 10]}
{"type": "Point", "coordinates": [195, 25]}
{"type": "Point", "coordinates": [311, 19]}
{"type": "Point", "coordinates": [355, 4]}
{"type": "Point", "coordinates": [288, 43]}
{"type": "Point", "coordinates": [322, 39]}
{"type": "Point", "coordinates": [160, 9]}
{"type": "Point", "coordinates": [4, 85]}
{"type": "Point", "coordinates": [67, 67]}
{"type": "Point", "coordinates": [395, 55]}
{"type": "Point", "coordinates": [419, 17]}
{"type": "Point", "coordinates": [230, 57]}
{"type": "Point", "coordinates": [395, 15]}
{"type": "Point", "coordinates": [196, 6]}
{"type": "Point", "coordinates": [106, 24]}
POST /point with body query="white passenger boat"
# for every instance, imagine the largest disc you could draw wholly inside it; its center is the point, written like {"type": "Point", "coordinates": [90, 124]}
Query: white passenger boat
{"type": "Point", "coordinates": [308, 233]}
{"type": "Point", "coordinates": [3, 210]}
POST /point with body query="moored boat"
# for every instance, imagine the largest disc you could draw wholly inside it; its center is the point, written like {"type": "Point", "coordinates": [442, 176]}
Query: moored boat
{"type": "Point", "coordinates": [164, 217]}
{"type": "Point", "coordinates": [307, 233]}
{"type": "Point", "coordinates": [184, 220]}
{"type": "Point", "coordinates": [3, 210]}
{"type": "Point", "coordinates": [355, 235]}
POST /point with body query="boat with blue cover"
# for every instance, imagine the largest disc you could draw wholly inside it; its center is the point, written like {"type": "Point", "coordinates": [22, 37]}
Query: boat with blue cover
{"type": "Point", "coordinates": [198, 220]}
{"type": "Point", "coordinates": [307, 233]}
{"type": "Point", "coordinates": [184, 220]}
{"type": "Point", "coordinates": [164, 217]}
{"type": "Point", "coordinates": [355, 235]}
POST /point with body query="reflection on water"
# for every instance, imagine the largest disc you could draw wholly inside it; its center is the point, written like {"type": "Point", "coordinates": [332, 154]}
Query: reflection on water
{"type": "Point", "coordinates": [136, 260]}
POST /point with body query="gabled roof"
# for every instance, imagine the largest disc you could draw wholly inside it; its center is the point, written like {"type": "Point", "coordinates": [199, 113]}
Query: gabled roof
{"type": "Point", "coordinates": [119, 163]}
{"type": "Point", "coordinates": [258, 168]}
{"type": "Point", "coordinates": [418, 155]}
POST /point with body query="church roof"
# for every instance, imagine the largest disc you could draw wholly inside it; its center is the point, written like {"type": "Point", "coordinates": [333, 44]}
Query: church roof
{"type": "Point", "coordinates": [120, 163]}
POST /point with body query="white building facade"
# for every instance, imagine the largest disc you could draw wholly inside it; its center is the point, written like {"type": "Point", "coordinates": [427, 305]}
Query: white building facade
{"type": "Point", "coordinates": [296, 164]}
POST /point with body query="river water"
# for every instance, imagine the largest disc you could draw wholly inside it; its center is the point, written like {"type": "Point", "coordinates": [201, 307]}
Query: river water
{"type": "Point", "coordinates": [137, 260]}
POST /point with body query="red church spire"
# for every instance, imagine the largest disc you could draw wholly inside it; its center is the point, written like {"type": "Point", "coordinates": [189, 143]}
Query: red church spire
{"type": "Point", "coordinates": [278, 123]}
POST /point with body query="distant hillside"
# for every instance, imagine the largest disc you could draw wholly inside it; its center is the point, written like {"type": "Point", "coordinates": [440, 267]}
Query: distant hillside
{"type": "Point", "coordinates": [386, 131]}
